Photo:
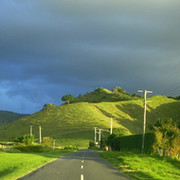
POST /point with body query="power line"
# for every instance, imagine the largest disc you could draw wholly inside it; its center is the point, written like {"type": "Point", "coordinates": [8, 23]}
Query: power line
{"type": "Point", "coordinates": [171, 77]}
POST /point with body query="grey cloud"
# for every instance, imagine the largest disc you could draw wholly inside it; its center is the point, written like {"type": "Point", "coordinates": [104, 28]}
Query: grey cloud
{"type": "Point", "coordinates": [78, 45]}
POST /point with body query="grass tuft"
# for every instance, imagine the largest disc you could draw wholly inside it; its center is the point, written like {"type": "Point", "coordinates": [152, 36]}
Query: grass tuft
{"type": "Point", "coordinates": [15, 165]}
{"type": "Point", "coordinates": [142, 166]}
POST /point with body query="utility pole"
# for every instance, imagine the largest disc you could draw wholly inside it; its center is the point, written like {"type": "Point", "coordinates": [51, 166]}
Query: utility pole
{"type": "Point", "coordinates": [40, 141]}
{"type": "Point", "coordinates": [30, 130]}
{"type": "Point", "coordinates": [111, 130]}
{"type": "Point", "coordinates": [144, 124]}
{"type": "Point", "coordinates": [100, 134]}
{"type": "Point", "coordinates": [95, 128]}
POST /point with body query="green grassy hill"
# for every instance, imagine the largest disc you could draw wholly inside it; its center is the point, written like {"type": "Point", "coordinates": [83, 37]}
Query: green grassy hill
{"type": "Point", "coordinates": [7, 117]}
{"type": "Point", "coordinates": [73, 123]}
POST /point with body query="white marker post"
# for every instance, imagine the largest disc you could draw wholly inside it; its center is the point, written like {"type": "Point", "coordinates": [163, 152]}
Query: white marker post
{"type": "Point", "coordinates": [95, 128]}
{"type": "Point", "coordinates": [111, 130]}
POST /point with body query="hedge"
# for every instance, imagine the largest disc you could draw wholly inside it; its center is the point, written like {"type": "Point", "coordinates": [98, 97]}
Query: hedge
{"type": "Point", "coordinates": [133, 143]}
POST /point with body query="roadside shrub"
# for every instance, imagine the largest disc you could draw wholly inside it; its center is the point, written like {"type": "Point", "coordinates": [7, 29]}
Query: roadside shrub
{"type": "Point", "coordinates": [29, 149]}
{"type": "Point", "coordinates": [25, 139]}
{"type": "Point", "coordinates": [167, 140]}
{"type": "Point", "coordinates": [18, 139]}
{"type": "Point", "coordinates": [91, 144]}
{"type": "Point", "coordinates": [12, 150]}
{"type": "Point", "coordinates": [70, 147]}
{"type": "Point", "coordinates": [103, 143]}
{"type": "Point", "coordinates": [28, 139]}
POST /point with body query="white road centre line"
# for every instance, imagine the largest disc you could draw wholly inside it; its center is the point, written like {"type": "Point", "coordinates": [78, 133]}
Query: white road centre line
{"type": "Point", "coordinates": [82, 167]}
{"type": "Point", "coordinates": [82, 161]}
{"type": "Point", "coordinates": [82, 177]}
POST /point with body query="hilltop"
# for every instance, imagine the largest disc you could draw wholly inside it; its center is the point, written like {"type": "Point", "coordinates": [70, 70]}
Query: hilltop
{"type": "Point", "coordinates": [73, 123]}
{"type": "Point", "coordinates": [103, 95]}
{"type": "Point", "coordinates": [7, 117]}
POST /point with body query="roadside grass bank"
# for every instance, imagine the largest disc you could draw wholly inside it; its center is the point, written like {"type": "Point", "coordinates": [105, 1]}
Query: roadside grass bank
{"type": "Point", "coordinates": [16, 164]}
{"type": "Point", "coordinates": [143, 166]}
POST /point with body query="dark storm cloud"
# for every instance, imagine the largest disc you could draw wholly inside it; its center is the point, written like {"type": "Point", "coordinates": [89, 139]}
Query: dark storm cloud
{"type": "Point", "coordinates": [53, 47]}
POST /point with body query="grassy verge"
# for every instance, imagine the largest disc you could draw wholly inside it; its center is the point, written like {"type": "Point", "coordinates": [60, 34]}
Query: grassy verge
{"type": "Point", "coordinates": [15, 165]}
{"type": "Point", "coordinates": [142, 166]}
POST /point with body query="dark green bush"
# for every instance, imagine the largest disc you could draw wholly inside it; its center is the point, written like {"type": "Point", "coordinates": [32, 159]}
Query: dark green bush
{"type": "Point", "coordinates": [68, 98]}
{"type": "Point", "coordinates": [25, 139]}
{"type": "Point", "coordinates": [37, 148]}
{"type": "Point", "coordinates": [91, 144]}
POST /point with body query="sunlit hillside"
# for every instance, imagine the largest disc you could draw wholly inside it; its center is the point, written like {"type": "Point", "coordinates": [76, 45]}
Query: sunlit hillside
{"type": "Point", "coordinates": [74, 123]}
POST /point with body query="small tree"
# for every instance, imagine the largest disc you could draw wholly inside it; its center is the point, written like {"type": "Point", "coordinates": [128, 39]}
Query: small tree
{"type": "Point", "coordinates": [68, 98]}
{"type": "Point", "coordinates": [47, 141]}
{"type": "Point", "coordinates": [28, 139]}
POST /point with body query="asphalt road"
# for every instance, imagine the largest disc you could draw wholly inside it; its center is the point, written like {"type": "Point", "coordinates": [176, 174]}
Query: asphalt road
{"type": "Point", "coordinates": [81, 165]}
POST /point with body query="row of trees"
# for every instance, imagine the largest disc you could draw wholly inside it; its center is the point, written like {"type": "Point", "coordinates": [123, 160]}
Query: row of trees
{"type": "Point", "coordinates": [26, 143]}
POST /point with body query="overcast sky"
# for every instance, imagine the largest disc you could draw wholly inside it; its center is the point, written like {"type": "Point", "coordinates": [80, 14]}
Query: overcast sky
{"type": "Point", "coordinates": [49, 48]}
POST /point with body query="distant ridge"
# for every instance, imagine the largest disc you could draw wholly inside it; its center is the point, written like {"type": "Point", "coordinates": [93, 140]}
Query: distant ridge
{"type": "Point", "coordinates": [7, 117]}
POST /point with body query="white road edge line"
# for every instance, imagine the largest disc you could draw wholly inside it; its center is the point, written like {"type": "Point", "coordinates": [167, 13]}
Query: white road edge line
{"type": "Point", "coordinates": [82, 177]}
